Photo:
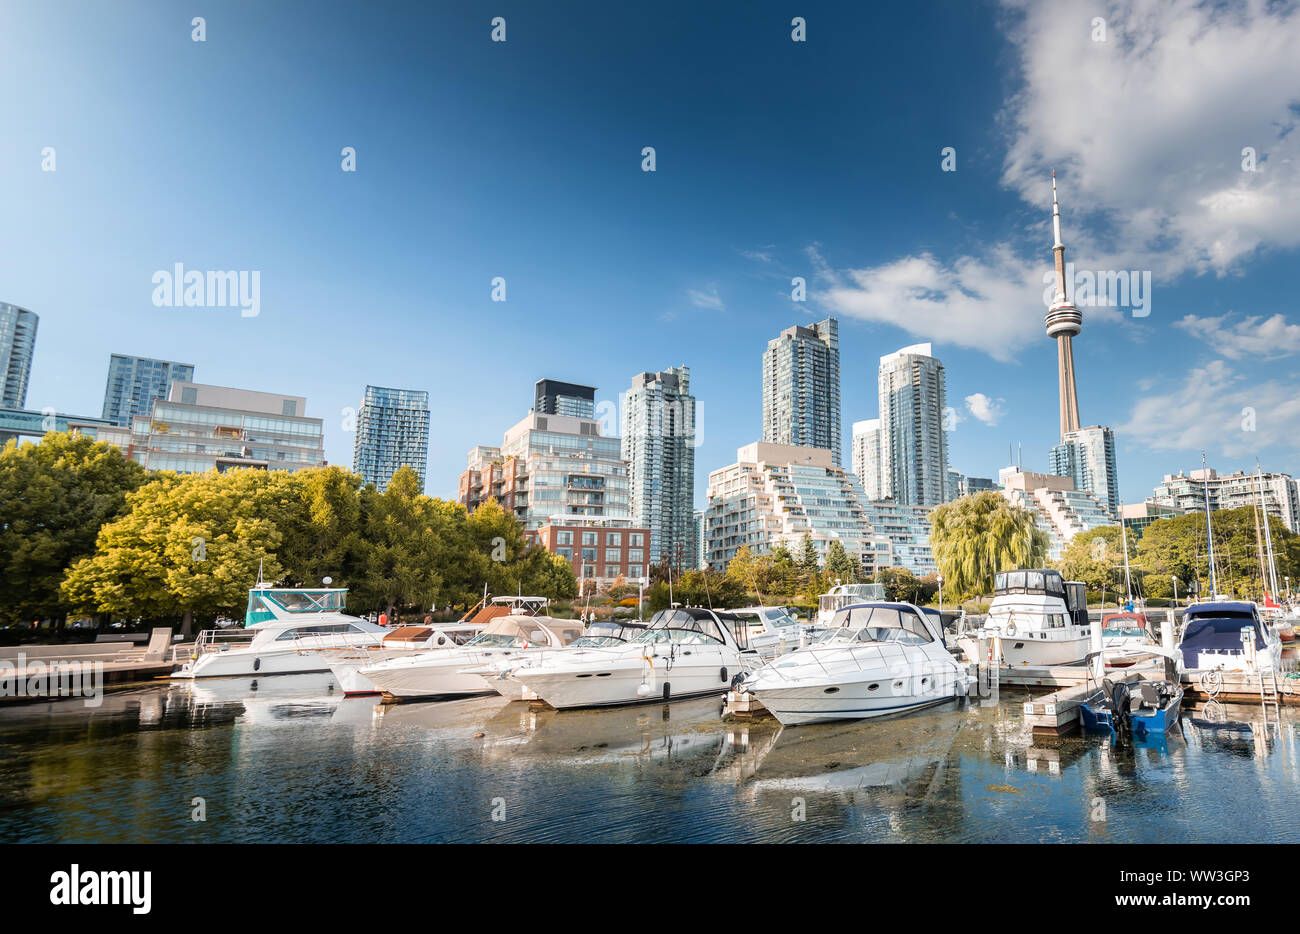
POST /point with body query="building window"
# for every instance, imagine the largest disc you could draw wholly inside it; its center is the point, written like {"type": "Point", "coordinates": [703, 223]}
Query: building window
{"type": "Point", "coordinates": [588, 570]}
{"type": "Point", "coordinates": [564, 538]}
{"type": "Point", "coordinates": [614, 538]}
{"type": "Point", "coordinates": [613, 555]}
{"type": "Point", "coordinates": [565, 553]}
{"type": "Point", "coordinates": [589, 556]}
{"type": "Point", "coordinates": [635, 539]}
{"type": "Point", "coordinates": [635, 554]}
{"type": "Point", "coordinates": [611, 570]}
{"type": "Point", "coordinates": [589, 538]}
{"type": "Point", "coordinates": [634, 570]}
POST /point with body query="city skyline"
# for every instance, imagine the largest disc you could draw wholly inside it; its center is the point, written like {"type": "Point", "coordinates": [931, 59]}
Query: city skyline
{"type": "Point", "coordinates": [681, 264]}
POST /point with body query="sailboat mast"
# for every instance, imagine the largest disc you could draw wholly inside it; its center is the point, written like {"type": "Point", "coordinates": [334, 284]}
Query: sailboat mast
{"type": "Point", "coordinates": [1209, 528]}
{"type": "Point", "coordinates": [1268, 535]}
{"type": "Point", "coordinates": [1123, 534]}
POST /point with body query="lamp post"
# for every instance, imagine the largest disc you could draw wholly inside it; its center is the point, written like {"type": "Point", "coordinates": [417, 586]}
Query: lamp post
{"type": "Point", "coordinates": [940, 577]}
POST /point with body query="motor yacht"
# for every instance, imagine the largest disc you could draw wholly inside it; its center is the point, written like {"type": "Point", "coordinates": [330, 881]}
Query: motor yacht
{"type": "Point", "coordinates": [876, 659]}
{"type": "Point", "coordinates": [1040, 618]}
{"type": "Point", "coordinates": [683, 652]}
{"type": "Point", "coordinates": [842, 595]}
{"type": "Point", "coordinates": [1228, 635]}
{"type": "Point", "coordinates": [453, 672]}
{"type": "Point", "coordinates": [404, 642]}
{"type": "Point", "coordinates": [284, 632]}
{"type": "Point", "coordinates": [600, 634]}
{"type": "Point", "coordinates": [1125, 638]}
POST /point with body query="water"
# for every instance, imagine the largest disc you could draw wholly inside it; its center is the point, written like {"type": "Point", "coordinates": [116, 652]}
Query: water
{"type": "Point", "coordinates": [294, 761]}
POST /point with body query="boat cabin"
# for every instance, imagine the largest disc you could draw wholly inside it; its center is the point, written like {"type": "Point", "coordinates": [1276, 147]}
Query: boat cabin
{"type": "Point", "coordinates": [1043, 583]}
{"type": "Point", "coordinates": [527, 632]}
{"type": "Point", "coordinates": [882, 622]}
{"type": "Point", "coordinates": [843, 595]}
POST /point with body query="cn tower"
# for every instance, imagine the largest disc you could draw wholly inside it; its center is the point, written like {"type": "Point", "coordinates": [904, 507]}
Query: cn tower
{"type": "Point", "coordinates": [1063, 322]}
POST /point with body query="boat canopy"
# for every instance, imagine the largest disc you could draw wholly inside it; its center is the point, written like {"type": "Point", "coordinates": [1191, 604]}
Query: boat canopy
{"type": "Point", "coordinates": [1232, 609]}
{"type": "Point", "coordinates": [710, 625]}
{"type": "Point", "coordinates": [884, 615]}
{"type": "Point", "coordinates": [1221, 635]}
{"type": "Point", "coordinates": [268, 604]}
{"type": "Point", "coordinates": [535, 629]}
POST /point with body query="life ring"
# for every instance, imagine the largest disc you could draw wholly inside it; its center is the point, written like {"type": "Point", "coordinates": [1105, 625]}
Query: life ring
{"type": "Point", "coordinates": [1011, 628]}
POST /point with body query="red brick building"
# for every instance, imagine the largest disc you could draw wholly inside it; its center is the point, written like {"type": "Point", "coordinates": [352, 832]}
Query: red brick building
{"type": "Point", "coordinates": [600, 549]}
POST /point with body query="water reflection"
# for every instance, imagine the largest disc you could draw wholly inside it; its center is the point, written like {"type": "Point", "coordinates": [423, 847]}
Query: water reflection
{"type": "Point", "coordinates": [289, 758]}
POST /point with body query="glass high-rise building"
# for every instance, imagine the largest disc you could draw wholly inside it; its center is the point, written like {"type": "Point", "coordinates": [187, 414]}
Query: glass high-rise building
{"type": "Point", "coordinates": [136, 383]}
{"type": "Point", "coordinates": [866, 457]}
{"type": "Point", "coordinates": [552, 397]}
{"type": "Point", "coordinates": [801, 388]}
{"type": "Point", "coordinates": [199, 428]}
{"type": "Point", "coordinates": [392, 432]}
{"type": "Point", "coordinates": [658, 429]}
{"type": "Point", "coordinates": [913, 442]}
{"type": "Point", "coordinates": [1087, 456]}
{"type": "Point", "coordinates": [17, 344]}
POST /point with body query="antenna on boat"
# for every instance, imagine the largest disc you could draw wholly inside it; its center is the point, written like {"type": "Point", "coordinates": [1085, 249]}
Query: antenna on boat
{"type": "Point", "coordinates": [259, 573]}
{"type": "Point", "coordinates": [1123, 533]}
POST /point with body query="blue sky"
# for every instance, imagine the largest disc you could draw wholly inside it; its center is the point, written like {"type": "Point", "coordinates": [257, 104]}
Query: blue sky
{"type": "Point", "coordinates": [775, 159]}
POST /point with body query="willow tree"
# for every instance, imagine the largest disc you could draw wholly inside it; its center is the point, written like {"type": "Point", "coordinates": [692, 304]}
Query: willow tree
{"type": "Point", "coordinates": [975, 537]}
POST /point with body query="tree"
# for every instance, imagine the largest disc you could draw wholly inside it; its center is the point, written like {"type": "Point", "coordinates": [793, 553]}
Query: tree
{"type": "Point", "coordinates": [55, 496]}
{"type": "Point", "coordinates": [900, 584]}
{"type": "Point", "coordinates": [809, 561]}
{"type": "Point", "coordinates": [188, 543]}
{"type": "Point", "coordinates": [1176, 547]}
{"type": "Point", "coordinates": [1096, 557]}
{"type": "Point", "coordinates": [412, 539]}
{"type": "Point", "coordinates": [976, 536]}
{"type": "Point", "coordinates": [840, 565]}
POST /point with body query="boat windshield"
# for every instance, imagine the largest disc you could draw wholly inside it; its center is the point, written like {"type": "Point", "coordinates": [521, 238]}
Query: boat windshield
{"type": "Point", "coordinates": [1120, 631]}
{"type": "Point", "coordinates": [1030, 581]}
{"type": "Point", "coordinates": [680, 627]}
{"type": "Point", "coordinates": [497, 639]}
{"type": "Point", "coordinates": [857, 624]}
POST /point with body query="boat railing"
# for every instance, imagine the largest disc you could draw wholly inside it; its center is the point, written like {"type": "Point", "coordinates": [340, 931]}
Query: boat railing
{"type": "Point", "coordinates": [220, 640]}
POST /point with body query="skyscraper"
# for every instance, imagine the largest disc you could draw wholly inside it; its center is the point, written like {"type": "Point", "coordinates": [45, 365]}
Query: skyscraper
{"type": "Point", "coordinates": [913, 443]}
{"type": "Point", "coordinates": [658, 428]}
{"type": "Point", "coordinates": [1088, 456]}
{"type": "Point", "coordinates": [17, 344]}
{"type": "Point", "coordinates": [552, 397]}
{"type": "Point", "coordinates": [135, 383]}
{"type": "Point", "coordinates": [866, 457]}
{"type": "Point", "coordinates": [392, 432]}
{"type": "Point", "coordinates": [801, 387]}
{"type": "Point", "coordinates": [1063, 322]}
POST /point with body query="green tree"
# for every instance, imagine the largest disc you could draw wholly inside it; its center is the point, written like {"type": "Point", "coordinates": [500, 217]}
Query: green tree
{"type": "Point", "coordinates": [976, 536]}
{"type": "Point", "coordinates": [188, 544]}
{"type": "Point", "coordinates": [839, 564]}
{"type": "Point", "coordinates": [809, 561]}
{"type": "Point", "coordinates": [1096, 557]}
{"type": "Point", "coordinates": [900, 584]}
{"type": "Point", "coordinates": [413, 539]}
{"type": "Point", "coordinates": [55, 496]}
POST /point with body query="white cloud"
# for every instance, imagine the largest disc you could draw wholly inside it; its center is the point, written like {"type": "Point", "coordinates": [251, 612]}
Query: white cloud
{"type": "Point", "coordinates": [1146, 129]}
{"type": "Point", "coordinates": [1146, 132]}
{"type": "Point", "coordinates": [706, 298]}
{"type": "Point", "coordinates": [991, 303]}
{"type": "Point", "coordinates": [987, 410]}
{"type": "Point", "coordinates": [1253, 337]}
{"type": "Point", "coordinates": [1215, 409]}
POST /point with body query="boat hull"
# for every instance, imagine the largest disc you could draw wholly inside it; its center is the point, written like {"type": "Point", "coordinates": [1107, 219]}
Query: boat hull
{"type": "Point", "coordinates": [611, 686]}
{"type": "Point", "coordinates": [803, 704]}
{"type": "Point", "coordinates": [1032, 652]}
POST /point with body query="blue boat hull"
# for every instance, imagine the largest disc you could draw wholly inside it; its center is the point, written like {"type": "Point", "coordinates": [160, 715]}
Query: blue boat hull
{"type": "Point", "coordinates": [1097, 715]}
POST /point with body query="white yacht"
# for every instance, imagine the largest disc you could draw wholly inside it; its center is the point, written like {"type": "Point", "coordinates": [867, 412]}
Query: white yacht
{"type": "Point", "coordinates": [1229, 635]}
{"type": "Point", "coordinates": [455, 672]}
{"type": "Point", "coordinates": [877, 659]}
{"type": "Point", "coordinates": [1125, 638]}
{"type": "Point", "coordinates": [1040, 619]}
{"type": "Point", "coordinates": [842, 595]}
{"type": "Point", "coordinates": [284, 631]}
{"type": "Point", "coordinates": [600, 634]}
{"type": "Point", "coordinates": [406, 641]}
{"type": "Point", "coordinates": [683, 652]}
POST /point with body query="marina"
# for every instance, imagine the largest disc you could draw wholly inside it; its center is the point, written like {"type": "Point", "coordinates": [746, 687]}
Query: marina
{"type": "Point", "coordinates": [291, 758]}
